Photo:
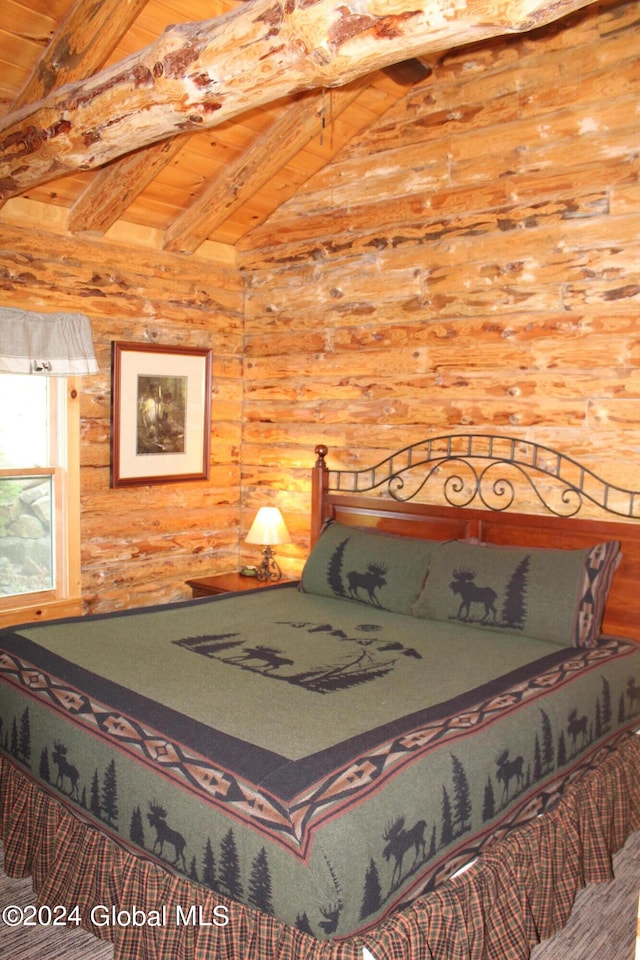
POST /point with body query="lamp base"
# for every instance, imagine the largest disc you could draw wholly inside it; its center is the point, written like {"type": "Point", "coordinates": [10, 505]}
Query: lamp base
{"type": "Point", "coordinates": [269, 569]}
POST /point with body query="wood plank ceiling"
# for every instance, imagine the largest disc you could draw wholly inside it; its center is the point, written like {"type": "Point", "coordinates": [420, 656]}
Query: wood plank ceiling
{"type": "Point", "coordinates": [211, 185]}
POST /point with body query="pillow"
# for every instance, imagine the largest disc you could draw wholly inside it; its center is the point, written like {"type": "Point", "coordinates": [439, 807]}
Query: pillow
{"type": "Point", "coordinates": [369, 567]}
{"type": "Point", "coordinates": [556, 595]}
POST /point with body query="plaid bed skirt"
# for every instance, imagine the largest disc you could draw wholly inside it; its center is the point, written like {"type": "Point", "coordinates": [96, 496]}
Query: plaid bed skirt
{"type": "Point", "coordinates": [518, 893]}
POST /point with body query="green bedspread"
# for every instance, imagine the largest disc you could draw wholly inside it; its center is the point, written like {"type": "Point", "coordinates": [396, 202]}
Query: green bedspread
{"type": "Point", "coordinates": [322, 760]}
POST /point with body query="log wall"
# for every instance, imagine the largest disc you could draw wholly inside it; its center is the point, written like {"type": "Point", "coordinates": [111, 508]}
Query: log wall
{"type": "Point", "coordinates": [140, 543]}
{"type": "Point", "coordinates": [471, 263]}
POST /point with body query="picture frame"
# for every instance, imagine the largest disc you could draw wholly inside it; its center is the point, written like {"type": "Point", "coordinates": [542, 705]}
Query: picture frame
{"type": "Point", "coordinates": [160, 413]}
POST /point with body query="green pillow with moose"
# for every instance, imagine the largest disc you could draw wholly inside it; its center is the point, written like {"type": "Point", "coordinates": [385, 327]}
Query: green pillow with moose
{"type": "Point", "coordinates": [556, 595]}
{"type": "Point", "coordinates": [368, 567]}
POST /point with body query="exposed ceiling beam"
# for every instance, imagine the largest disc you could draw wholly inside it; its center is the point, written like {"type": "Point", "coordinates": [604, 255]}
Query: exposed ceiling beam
{"type": "Point", "coordinates": [197, 75]}
{"type": "Point", "coordinates": [116, 186]}
{"type": "Point", "coordinates": [83, 42]}
{"type": "Point", "coordinates": [297, 126]}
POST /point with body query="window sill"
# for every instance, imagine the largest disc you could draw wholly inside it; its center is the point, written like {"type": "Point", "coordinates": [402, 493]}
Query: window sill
{"type": "Point", "coordinates": [34, 612]}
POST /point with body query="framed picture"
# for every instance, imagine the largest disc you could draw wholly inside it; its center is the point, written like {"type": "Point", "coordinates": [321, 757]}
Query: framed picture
{"type": "Point", "coordinates": [161, 414]}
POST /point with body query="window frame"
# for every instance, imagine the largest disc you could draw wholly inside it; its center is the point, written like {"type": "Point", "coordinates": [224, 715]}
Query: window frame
{"type": "Point", "coordinates": [65, 597]}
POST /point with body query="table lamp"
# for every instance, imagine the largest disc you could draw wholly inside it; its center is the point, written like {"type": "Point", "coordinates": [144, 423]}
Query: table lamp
{"type": "Point", "coordinates": [268, 528]}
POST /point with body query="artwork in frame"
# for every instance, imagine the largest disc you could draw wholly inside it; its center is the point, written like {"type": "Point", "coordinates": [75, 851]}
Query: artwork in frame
{"type": "Point", "coordinates": [161, 413]}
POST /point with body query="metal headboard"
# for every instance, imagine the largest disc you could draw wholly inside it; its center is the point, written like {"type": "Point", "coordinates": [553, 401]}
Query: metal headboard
{"type": "Point", "coordinates": [482, 467]}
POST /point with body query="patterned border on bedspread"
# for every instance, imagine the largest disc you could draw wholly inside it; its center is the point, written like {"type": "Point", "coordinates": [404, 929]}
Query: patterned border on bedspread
{"type": "Point", "coordinates": [325, 860]}
{"type": "Point", "coordinates": [292, 821]}
{"type": "Point", "coordinates": [517, 894]}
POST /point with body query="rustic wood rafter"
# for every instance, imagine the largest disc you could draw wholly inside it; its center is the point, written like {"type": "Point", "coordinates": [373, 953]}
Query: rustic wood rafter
{"type": "Point", "coordinates": [83, 42]}
{"type": "Point", "coordinates": [299, 124]}
{"type": "Point", "coordinates": [197, 75]}
{"type": "Point", "coordinates": [117, 185]}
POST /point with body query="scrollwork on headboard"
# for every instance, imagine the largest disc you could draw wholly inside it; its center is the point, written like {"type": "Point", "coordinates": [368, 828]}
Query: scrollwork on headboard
{"type": "Point", "coordinates": [485, 468]}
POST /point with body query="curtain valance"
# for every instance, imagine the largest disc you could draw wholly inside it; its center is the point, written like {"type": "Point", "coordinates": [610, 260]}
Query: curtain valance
{"type": "Point", "coordinates": [49, 344]}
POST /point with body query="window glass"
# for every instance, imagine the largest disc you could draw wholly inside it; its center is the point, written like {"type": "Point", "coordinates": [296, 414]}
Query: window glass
{"type": "Point", "coordinates": [27, 493]}
{"type": "Point", "coordinates": [24, 421]}
{"type": "Point", "coordinates": [26, 535]}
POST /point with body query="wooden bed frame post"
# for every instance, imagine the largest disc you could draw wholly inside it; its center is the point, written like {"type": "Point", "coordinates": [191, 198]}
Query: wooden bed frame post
{"type": "Point", "coordinates": [319, 484]}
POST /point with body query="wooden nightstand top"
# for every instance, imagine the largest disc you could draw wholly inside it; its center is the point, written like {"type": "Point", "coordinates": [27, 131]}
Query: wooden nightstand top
{"type": "Point", "coordinates": [228, 583]}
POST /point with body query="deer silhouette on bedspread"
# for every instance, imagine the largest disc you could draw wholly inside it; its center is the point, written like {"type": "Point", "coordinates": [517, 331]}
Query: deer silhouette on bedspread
{"type": "Point", "coordinates": [164, 833]}
{"type": "Point", "coordinates": [400, 841]}
{"type": "Point", "coordinates": [66, 770]}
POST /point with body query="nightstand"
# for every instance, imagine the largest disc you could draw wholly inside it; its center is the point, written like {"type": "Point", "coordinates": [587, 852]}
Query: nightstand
{"type": "Point", "coordinates": [228, 583]}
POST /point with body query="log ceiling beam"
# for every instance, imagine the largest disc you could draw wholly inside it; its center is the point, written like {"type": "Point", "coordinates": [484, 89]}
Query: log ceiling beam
{"type": "Point", "coordinates": [197, 75]}
{"type": "Point", "coordinates": [297, 126]}
{"type": "Point", "coordinates": [116, 186]}
{"type": "Point", "coordinates": [83, 42]}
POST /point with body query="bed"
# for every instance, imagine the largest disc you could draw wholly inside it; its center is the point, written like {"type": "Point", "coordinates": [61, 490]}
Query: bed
{"type": "Point", "coordinates": [424, 748]}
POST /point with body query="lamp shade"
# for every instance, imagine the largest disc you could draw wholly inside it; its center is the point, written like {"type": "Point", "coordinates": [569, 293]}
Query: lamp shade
{"type": "Point", "coordinates": [268, 527]}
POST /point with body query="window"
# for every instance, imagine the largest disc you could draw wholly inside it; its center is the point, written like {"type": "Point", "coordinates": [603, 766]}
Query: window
{"type": "Point", "coordinates": [39, 498]}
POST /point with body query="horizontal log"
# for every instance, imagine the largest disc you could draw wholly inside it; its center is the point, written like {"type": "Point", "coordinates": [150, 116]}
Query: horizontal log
{"type": "Point", "coordinates": [621, 295]}
{"type": "Point", "coordinates": [625, 198]}
{"type": "Point", "coordinates": [614, 414]}
{"type": "Point", "coordinates": [512, 98]}
{"type": "Point", "coordinates": [541, 201]}
{"type": "Point", "coordinates": [198, 75]}
{"type": "Point", "coordinates": [504, 413]}
{"type": "Point", "coordinates": [451, 284]}
{"type": "Point", "coordinates": [490, 337]}
{"type": "Point", "coordinates": [153, 529]}
{"type": "Point", "coordinates": [280, 344]}
{"type": "Point", "coordinates": [150, 584]}
{"type": "Point", "coordinates": [460, 388]}
{"type": "Point", "coordinates": [115, 260]}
